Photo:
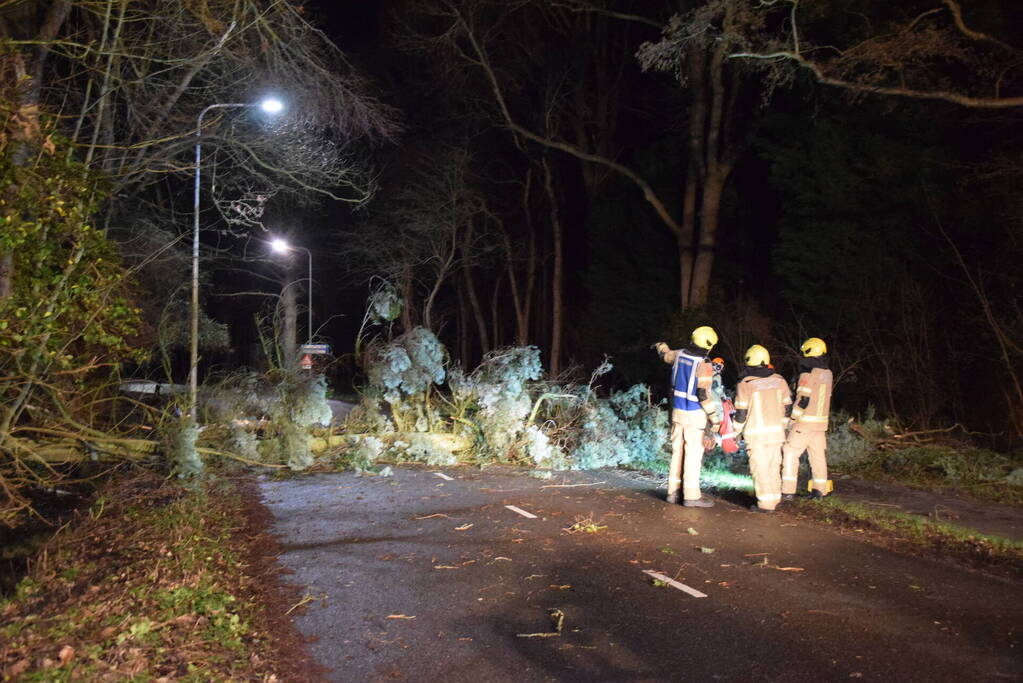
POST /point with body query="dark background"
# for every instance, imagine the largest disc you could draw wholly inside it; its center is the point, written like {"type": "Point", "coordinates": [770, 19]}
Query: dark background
{"type": "Point", "coordinates": [861, 221]}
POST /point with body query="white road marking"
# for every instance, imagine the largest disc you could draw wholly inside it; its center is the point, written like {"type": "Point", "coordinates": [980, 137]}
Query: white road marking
{"type": "Point", "coordinates": [674, 584]}
{"type": "Point", "coordinates": [522, 512]}
{"type": "Point", "coordinates": [443, 476]}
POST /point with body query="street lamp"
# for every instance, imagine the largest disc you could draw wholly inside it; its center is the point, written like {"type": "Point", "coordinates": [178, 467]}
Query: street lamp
{"type": "Point", "coordinates": [282, 247]}
{"type": "Point", "coordinates": [270, 106]}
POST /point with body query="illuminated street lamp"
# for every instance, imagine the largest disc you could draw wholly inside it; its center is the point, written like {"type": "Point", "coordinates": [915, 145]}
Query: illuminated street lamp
{"type": "Point", "coordinates": [270, 106]}
{"type": "Point", "coordinates": [282, 247]}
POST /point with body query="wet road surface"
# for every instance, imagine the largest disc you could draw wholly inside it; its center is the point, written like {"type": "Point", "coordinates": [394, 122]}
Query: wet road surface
{"type": "Point", "coordinates": [419, 578]}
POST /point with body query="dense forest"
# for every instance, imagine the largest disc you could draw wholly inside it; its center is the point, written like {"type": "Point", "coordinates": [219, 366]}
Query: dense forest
{"type": "Point", "coordinates": [590, 178]}
{"type": "Point", "coordinates": [585, 176]}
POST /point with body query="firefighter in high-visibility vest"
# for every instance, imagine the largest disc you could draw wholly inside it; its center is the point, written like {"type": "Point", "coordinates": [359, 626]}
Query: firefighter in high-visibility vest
{"type": "Point", "coordinates": [762, 400]}
{"type": "Point", "coordinates": [692, 407]}
{"type": "Point", "coordinates": [809, 428]}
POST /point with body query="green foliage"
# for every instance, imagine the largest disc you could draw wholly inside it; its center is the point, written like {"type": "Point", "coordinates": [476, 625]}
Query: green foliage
{"type": "Point", "coordinates": [408, 366]}
{"type": "Point", "coordinates": [499, 387]}
{"type": "Point", "coordinates": [404, 372]}
{"type": "Point", "coordinates": [70, 293]}
{"type": "Point", "coordinates": [68, 316]}
{"type": "Point", "coordinates": [981, 472]}
{"type": "Point", "coordinates": [368, 418]}
{"type": "Point", "coordinates": [286, 442]}
{"type": "Point", "coordinates": [238, 396]}
{"type": "Point", "coordinates": [307, 398]}
{"type": "Point", "coordinates": [243, 442]}
{"type": "Point", "coordinates": [626, 429]}
{"type": "Point", "coordinates": [846, 447]}
{"type": "Point", "coordinates": [384, 304]}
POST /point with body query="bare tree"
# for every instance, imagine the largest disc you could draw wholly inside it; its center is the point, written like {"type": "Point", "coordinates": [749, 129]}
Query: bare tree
{"type": "Point", "coordinates": [129, 81]}
{"type": "Point", "coordinates": [428, 237]}
{"type": "Point", "coordinates": [921, 49]}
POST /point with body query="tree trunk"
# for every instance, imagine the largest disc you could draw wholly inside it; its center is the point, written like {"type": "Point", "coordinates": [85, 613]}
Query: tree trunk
{"type": "Point", "coordinates": [442, 275]}
{"type": "Point", "coordinates": [406, 295]}
{"type": "Point", "coordinates": [684, 237]}
{"type": "Point", "coordinates": [470, 291]}
{"type": "Point", "coordinates": [289, 326]}
{"type": "Point", "coordinates": [463, 329]}
{"type": "Point", "coordinates": [709, 220]}
{"type": "Point", "coordinates": [495, 317]}
{"type": "Point", "coordinates": [557, 313]}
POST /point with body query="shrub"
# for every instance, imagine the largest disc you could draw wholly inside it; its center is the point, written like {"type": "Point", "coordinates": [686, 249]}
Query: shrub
{"type": "Point", "coordinates": [846, 447]}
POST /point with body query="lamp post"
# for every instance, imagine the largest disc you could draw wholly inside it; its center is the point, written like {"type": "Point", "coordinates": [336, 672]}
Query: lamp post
{"type": "Point", "coordinates": [270, 106]}
{"type": "Point", "coordinates": [282, 247]}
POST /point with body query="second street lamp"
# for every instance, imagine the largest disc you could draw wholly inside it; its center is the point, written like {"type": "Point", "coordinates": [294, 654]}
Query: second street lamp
{"type": "Point", "coordinates": [270, 106]}
{"type": "Point", "coordinates": [282, 247]}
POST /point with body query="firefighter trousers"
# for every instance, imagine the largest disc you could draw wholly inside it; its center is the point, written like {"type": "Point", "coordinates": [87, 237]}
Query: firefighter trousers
{"type": "Point", "coordinates": [686, 452]}
{"type": "Point", "coordinates": [765, 466]}
{"type": "Point", "coordinates": [815, 443]}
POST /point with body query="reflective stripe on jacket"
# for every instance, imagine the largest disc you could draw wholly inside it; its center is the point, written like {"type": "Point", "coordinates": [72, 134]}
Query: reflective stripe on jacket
{"type": "Point", "coordinates": [813, 400]}
{"type": "Point", "coordinates": [684, 374]}
{"type": "Point", "coordinates": [764, 399]}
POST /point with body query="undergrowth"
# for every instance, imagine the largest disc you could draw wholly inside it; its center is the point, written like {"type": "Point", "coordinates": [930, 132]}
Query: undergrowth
{"type": "Point", "coordinates": [918, 534]}
{"type": "Point", "coordinates": [147, 584]}
{"type": "Point", "coordinates": [950, 465]}
{"type": "Point", "coordinates": [978, 472]}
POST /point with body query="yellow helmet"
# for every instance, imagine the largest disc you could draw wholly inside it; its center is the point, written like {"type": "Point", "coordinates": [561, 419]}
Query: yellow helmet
{"type": "Point", "coordinates": [705, 337]}
{"type": "Point", "coordinates": [757, 355]}
{"type": "Point", "coordinates": [814, 347]}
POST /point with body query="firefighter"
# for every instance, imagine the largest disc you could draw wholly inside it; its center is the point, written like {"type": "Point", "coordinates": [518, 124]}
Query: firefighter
{"type": "Point", "coordinates": [809, 428]}
{"type": "Point", "coordinates": [692, 407]}
{"type": "Point", "coordinates": [762, 398]}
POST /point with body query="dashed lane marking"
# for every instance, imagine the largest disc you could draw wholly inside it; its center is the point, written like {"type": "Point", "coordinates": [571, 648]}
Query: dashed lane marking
{"type": "Point", "coordinates": [522, 512]}
{"type": "Point", "coordinates": [674, 584]}
{"type": "Point", "coordinates": [443, 476]}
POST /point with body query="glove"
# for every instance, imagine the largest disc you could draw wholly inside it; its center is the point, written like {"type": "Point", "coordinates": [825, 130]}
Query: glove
{"type": "Point", "coordinates": [708, 442]}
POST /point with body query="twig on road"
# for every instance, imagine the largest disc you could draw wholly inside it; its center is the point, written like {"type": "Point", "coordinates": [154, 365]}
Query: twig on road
{"type": "Point", "coordinates": [304, 601]}
{"type": "Point", "coordinates": [568, 486]}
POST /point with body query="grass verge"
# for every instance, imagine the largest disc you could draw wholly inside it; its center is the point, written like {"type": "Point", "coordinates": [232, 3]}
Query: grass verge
{"type": "Point", "coordinates": [154, 582]}
{"type": "Point", "coordinates": [915, 534]}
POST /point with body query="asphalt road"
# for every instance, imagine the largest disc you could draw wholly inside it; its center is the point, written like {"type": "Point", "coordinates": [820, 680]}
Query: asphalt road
{"type": "Point", "coordinates": [417, 578]}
